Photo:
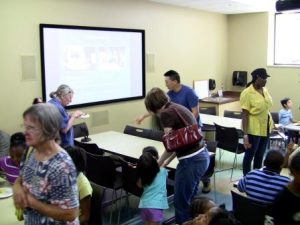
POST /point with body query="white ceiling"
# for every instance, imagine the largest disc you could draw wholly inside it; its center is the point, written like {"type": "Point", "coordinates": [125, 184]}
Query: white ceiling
{"type": "Point", "coordinates": [224, 6]}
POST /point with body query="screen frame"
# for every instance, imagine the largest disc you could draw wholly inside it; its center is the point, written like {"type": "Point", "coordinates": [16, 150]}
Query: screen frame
{"type": "Point", "coordinates": [42, 28]}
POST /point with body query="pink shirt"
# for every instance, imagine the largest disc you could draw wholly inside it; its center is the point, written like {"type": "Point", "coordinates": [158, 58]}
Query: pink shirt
{"type": "Point", "coordinates": [11, 171]}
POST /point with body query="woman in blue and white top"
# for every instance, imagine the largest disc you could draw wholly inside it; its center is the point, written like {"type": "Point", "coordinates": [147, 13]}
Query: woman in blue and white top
{"type": "Point", "coordinates": [46, 189]}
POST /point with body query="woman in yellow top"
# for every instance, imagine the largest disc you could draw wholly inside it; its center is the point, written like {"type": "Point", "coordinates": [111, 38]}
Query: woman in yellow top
{"type": "Point", "coordinates": [257, 122]}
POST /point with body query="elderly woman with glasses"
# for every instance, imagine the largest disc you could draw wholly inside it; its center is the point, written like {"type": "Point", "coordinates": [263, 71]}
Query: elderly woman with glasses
{"type": "Point", "coordinates": [46, 189]}
{"type": "Point", "coordinates": [61, 98]}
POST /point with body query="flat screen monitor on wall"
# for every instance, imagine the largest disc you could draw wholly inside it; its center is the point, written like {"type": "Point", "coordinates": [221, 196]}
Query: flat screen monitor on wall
{"type": "Point", "coordinates": [101, 65]}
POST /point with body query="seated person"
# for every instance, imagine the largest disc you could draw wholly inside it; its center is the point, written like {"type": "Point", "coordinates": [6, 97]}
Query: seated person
{"type": "Point", "coordinates": [285, 209]}
{"type": "Point", "coordinates": [264, 184]}
{"type": "Point", "coordinates": [286, 117]}
{"type": "Point", "coordinates": [291, 150]}
{"type": "Point", "coordinates": [199, 205]}
{"type": "Point", "coordinates": [84, 187]}
{"type": "Point", "coordinates": [10, 165]}
{"type": "Point", "coordinates": [37, 100]}
{"type": "Point", "coordinates": [215, 216]}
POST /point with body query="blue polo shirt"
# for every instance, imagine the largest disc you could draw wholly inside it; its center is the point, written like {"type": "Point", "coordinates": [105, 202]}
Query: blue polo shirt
{"type": "Point", "coordinates": [185, 97]}
{"type": "Point", "coordinates": [66, 138]}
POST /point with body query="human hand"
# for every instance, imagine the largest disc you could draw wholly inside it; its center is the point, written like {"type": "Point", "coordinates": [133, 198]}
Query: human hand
{"type": "Point", "coordinates": [30, 199]}
{"type": "Point", "coordinates": [77, 114]}
{"type": "Point", "coordinates": [139, 120]}
{"type": "Point", "coordinates": [19, 195]}
{"type": "Point", "coordinates": [246, 142]}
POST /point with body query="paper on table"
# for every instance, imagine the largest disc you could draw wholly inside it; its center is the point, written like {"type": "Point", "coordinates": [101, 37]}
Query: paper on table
{"type": "Point", "coordinates": [5, 192]}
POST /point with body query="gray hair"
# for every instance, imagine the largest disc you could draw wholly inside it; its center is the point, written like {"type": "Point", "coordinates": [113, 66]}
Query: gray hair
{"type": "Point", "coordinates": [61, 91]}
{"type": "Point", "coordinates": [48, 116]}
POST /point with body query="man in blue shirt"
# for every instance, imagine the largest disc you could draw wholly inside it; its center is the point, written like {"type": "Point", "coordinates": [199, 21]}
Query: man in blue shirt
{"type": "Point", "coordinates": [264, 184]}
{"type": "Point", "coordinates": [182, 94]}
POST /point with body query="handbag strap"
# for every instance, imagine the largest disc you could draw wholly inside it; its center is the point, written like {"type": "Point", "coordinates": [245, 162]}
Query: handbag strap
{"type": "Point", "coordinates": [180, 116]}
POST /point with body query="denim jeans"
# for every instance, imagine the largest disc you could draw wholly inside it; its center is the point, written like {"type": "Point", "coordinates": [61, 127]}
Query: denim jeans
{"type": "Point", "coordinates": [257, 151]}
{"type": "Point", "coordinates": [187, 176]}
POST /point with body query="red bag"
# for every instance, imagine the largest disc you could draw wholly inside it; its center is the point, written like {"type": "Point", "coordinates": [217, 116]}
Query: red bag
{"type": "Point", "coordinates": [182, 137]}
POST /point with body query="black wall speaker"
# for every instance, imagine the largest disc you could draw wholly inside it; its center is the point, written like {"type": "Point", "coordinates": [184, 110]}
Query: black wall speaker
{"type": "Point", "coordinates": [239, 78]}
{"type": "Point", "coordinates": [211, 84]}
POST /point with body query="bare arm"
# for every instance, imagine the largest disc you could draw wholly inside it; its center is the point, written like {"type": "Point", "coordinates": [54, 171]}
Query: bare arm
{"type": "Point", "coordinates": [50, 210]}
{"type": "Point", "coordinates": [72, 118]}
{"type": "Point", "coordinates": [19, 195]}
{"type": "Point", "coordinates": [140, 119]}
{"type": "Point", "coordinates": [245, 119]}
{"type": "Point", "coordinates": [85, 206]}
{"type": "Point", "coordinates": [195, 111]}
{"type": "Point", "coordinates": [166, 157]}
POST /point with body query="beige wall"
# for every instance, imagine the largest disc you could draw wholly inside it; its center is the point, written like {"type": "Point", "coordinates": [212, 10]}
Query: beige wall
{"type": "Point", "coordinates": [247, 48]}
{"type": "Point", "coordinates": [190, 41]}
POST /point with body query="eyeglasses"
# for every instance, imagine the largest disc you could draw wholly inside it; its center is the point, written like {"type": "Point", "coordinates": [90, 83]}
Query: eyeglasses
{"type": "Point", "coordinates": [31, 129]}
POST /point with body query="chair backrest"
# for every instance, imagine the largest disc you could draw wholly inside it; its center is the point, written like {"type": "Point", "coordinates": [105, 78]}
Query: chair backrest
{"type": "Point", "coordinates": [144, 133]}
{"type": "Point", "coordinates": [80, 130]}
{"type": "Point", "coordinates": [96, 205]}
{"type": "Point", "coordinates": [275, 117]}
{"type": "Point", "coordinates": [211, 110]}
{"type": "Point", "coordinates": [101, 170]}
{"type": "Point", "coordinates": [90, 147]}
{"type": "Point", "coordinates": [247, 211]}
{"type": "Point", "coordinates": [233, 114]}
{"type": "Point", "coordinates": [156, 135]}
{"type": "Point", "coordinates": [129, 179]}
{"type": "Point", "coordinates": [227, 138]}
{"type": "Point", "coordinates": [136, 131]}
{"type": "Point", "coordinates": [211, 147]}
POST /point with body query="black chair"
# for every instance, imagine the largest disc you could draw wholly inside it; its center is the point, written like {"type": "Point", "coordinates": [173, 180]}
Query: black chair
{"type": "Point", "coordinates": [102, 170]}
{"type": "Point", "coordinates": [144, 133]}
{"type": "Point", "coordinates": [211, 147]}
{"type": "Point", "coordinates": [235, 115]}
{"type": "Point", "coordinates": [211, 110]}
{"type": "Point", "coordinates": [136, 131]}
{"type": "Point", "coordinates": [228, 140]}
{"type": "Point", "coordinates": [90, 147]}
{"type": "Point", "coordinates": [275, 117]}
{"type": "Point", "coordinates": [129, 179]}
{"type": "Point", "coordinates": [96, 205]}
{"type": "Point", "coordinates": [247, 211]}
{"type": "Point", "coordinates": [275, 138]}
{"type": "Point", "coordinates": [81, 130]}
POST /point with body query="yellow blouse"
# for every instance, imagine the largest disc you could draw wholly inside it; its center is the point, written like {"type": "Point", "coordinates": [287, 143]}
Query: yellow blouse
{"type": "Point", "coordinates": [258, 107]}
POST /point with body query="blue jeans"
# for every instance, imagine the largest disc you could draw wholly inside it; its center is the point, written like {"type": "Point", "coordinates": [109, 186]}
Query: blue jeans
{"type": "Point", "coordinates": [187, 176]}
{"type": "Point", "coordinates": [257, 151]}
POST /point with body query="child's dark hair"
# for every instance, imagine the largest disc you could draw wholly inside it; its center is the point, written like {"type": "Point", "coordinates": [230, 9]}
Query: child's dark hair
{"type": "Point", "coordinates": [294, 165]}
{"type": "Point", "coordinates": [147, 168]}
{"type": "Point", "coordinates": [37, 100]}
{"type": "Point", "coordinates": [78, 156]}
{"type": "Point", "coordinates": [284, 102]}
{"type": "Point", "coordinates": [152, 150]}
{"type": "Point", "coordinates": [223, 217]}
{"type": "Point", "coordinates": [199, 206]}
{"type": "Point", "coordinates": [18, 140]}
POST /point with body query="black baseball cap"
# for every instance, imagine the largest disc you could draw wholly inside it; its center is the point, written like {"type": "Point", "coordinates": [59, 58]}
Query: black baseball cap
{"type": "Point", "coordinates": [260, 72]}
